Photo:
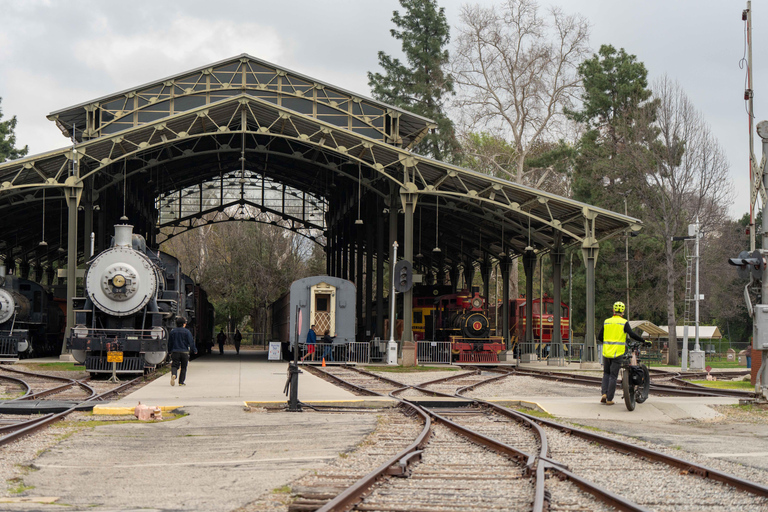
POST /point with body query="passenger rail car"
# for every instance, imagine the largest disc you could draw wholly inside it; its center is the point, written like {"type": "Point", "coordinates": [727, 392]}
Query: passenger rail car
{"type": "Point", "coordinates": [31, 320]}
{"type": "Point", "coordinates": [326, 302]}
{"type": "Point", "coordinates": [133, 296]}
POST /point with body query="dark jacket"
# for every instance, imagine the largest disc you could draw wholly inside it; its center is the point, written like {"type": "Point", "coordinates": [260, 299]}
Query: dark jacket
{"type": "Point", "coordinates": [181, 340]}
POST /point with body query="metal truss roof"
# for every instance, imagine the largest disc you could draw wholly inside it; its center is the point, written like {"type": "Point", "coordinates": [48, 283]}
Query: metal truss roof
{"type": "Point", "coordinates": [242, 74]}
{"type": "Point", "coordinates": [478, 214]}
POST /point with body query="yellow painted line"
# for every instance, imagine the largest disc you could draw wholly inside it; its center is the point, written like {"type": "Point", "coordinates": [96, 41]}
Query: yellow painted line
{"type": "Point", "coordinates": [118, 411]}
{"type": "Point", "coordinates": [531, 405]}
{"type": "Point", "coordinates": [30, 499]}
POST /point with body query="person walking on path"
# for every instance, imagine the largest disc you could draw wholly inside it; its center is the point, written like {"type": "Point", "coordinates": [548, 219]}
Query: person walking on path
{"type": "Point", "coordinates": [220, 339]}
{"type": "Point", "coordinates": [238, 339]}
{"type": "Point", "coordinates": [311, 340]}
{"type": "Point", "coordinates": [180, 344]}
{"type": "Point", "coordinates": [613, 334]}
{"type": "Point", "coordinates": [328, 341]}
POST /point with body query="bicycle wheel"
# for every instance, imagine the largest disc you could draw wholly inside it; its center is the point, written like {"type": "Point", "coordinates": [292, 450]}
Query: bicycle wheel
{"type": "Point", "coordinates": [628, 389]}
{"type": "Point", "coordinates": [641, 394]}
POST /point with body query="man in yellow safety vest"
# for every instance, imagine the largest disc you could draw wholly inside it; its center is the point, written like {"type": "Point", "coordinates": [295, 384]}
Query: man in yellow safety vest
{"type": "Point", "coordinates": [613, 334]}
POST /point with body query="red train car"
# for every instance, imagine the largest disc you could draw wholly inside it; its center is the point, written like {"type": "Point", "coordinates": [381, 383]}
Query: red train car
{"type": "Point", "coordinates": [543, 319]}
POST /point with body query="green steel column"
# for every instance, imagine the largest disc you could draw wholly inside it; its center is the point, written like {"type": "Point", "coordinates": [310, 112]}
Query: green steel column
{"type": "Point", "coordinates": [380, 257]}
{"type": "Point", "coordinates": [393, 205]}
{"type": "Point", "coordinates": [589, 251]}
{"type": "Point", "coordinates": [359, 282]}
{"type": "Point", "coordinates": [556, 256]}
{"type": "Point", "coordinates": [409, 203]}
{"type": "Point", "coordinates": [505, 265]}
{"type": "Point", "coordinates": [72, 194]}
{"type": "Point", "coordinates": [529, 265]}
{"type": "Point", "coordinates": [369, 271]}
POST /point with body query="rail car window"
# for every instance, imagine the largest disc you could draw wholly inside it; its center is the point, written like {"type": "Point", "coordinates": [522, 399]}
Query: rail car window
{"type": "Point", "coordinates": [321, 303]}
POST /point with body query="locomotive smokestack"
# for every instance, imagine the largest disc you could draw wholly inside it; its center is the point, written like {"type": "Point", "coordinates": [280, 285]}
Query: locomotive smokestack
{"type": "Point", "coordinates": [123, 235]}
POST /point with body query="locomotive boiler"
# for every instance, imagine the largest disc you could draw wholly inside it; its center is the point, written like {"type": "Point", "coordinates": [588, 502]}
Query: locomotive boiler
{"type": "Point", "coordinates": [132, 296]}
{"type": "Point", "coordinates": [31, 321]}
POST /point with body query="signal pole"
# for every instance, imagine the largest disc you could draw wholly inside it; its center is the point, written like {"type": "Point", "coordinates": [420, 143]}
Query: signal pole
{"type": "Point", "coordinates": [752, 265]}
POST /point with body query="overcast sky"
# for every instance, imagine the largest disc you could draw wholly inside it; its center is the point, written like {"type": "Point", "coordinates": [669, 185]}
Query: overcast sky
{"type": "Point", "coordinates": [54, 54]}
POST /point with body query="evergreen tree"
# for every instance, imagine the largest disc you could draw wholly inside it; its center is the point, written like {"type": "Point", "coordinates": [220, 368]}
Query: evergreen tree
{"type": "Point", "coordinates": [8, 150]}
{"type": "Point", "coordinates": [615, 98]}
{"type": "Point", "coordinates": [421, 84]}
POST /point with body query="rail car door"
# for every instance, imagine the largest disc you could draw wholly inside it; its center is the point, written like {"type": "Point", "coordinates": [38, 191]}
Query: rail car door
{"type": "Point", "coordinates": [322, 310]}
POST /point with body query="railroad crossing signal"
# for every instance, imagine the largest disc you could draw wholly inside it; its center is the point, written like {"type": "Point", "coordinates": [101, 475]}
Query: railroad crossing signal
{"type": "Point", "coordinates": [403, 276]}
{"type": "Point", "coordinates": [749, 263]}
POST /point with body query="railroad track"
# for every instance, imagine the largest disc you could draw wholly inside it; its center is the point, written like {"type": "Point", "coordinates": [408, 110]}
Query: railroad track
{"type": "Point", "coordinates": [485, 457]}
{"type": "Point", "coordinates": [683, 388]}
{"type": "Point", "coordinates": [44, 388]}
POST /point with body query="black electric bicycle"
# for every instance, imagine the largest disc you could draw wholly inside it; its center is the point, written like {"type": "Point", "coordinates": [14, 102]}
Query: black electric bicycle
{"type": "Point", "coordinates": [635, 377]}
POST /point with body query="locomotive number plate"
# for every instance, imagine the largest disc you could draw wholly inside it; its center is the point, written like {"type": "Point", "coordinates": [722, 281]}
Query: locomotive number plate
{"type": "Point", "coordinates": [114, 357]}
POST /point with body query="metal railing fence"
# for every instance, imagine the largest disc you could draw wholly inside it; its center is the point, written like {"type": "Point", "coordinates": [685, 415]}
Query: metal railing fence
{"type": "Point", "coordinates": [356, 352]}
{"type": "Point", "coordinates": [433, 352]}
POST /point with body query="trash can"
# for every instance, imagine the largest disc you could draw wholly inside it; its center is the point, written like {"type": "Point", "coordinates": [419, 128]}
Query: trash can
{"type": "Point", "coordinates": [749, 361]}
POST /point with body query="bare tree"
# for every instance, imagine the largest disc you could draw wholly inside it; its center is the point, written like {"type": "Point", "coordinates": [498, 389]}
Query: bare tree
{"type": "Point", "coordinates": [515, 72]}
{"type": "Point", "coordinates": [681, 174]}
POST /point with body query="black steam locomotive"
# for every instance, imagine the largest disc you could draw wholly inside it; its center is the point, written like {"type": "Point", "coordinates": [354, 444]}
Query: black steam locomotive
{"type": "Point", "coordinates": [31, 321]}
{"type": "Point", "coordinates": [133, 295]}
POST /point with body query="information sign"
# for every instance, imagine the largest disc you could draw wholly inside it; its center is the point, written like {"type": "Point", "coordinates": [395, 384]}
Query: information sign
{"type": "Point", "coordinates": [274, 351]}
{"type": "Point", "coordinates": [114, 357]}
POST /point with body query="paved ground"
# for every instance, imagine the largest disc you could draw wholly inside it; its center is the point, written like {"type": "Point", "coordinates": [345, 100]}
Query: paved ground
{"type": "Point", "coordinates": [222, 456]}
{"type": "Point", "coordinates": [216, 459]}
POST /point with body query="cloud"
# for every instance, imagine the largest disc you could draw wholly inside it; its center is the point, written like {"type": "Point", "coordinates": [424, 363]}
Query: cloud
{"type": "Point", "coordinates": [143, 56]}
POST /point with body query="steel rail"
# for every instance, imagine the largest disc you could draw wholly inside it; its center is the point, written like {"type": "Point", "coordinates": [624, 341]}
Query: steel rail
{"type": "Point", "coordinates": [596, 381]}
{"type": "Point", "coordinates": [22, 424]}
{"type": "Point", "coordinates": [528, 460]}
{"type": "Point", "coordinates": [450, 378]}
{"type": "Point", "coordinates": [352, 495]}
{"type": "Point", "coordinates": [45, 421]}
{"type": "Point", "coordinates": [20, 382]}
{"type": "Point", "coordinates": [535, 464]}
{"type": "Point", "coordinates": [741, 393]}
{"type": "Point", "coordinates": [598, 492]}
{"type": "Point", "coordinates": [653, 455]}
{"type": "Point", "coordinates": [538, 463]}
{"type": "Point", "coordinates": [367, 392]}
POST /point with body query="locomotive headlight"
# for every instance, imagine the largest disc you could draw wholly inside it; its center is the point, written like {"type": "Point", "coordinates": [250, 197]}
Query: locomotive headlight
{"type": "Point", "coordinates": [81, 331]}
{"type": "Point", "coordinates": [477, 302]}
{"type": "Point", "coordinates": [157, 333]}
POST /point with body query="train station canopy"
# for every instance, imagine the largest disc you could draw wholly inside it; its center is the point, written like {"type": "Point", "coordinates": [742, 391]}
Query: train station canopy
{"type": "Point", "coordinates": [244, 139]}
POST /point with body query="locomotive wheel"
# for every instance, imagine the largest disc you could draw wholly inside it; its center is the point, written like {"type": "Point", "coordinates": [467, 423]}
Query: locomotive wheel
{"type": "Point", "coordinates": [628, 389]}
{"type": "Point", "coordinates": [641, 394]}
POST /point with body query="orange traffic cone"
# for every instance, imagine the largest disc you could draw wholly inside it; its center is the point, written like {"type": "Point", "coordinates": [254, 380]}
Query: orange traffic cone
{"type": "Point", "coordinates": [323, 362]}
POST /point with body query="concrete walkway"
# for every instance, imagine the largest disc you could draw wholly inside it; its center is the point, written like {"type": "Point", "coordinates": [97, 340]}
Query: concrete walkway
{"type": "Point", "coordinates": [233, 379]}
{"type": "Point", "coordinates": [250, 379]}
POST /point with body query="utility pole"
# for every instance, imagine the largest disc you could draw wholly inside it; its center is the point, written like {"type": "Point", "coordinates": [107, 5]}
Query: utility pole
{"type": "Point", "coordinates": [746, 16]}
{"type": "Point", "coordinates": [752, 265]}
{"type": "Point", "coordinates": [697, 356]}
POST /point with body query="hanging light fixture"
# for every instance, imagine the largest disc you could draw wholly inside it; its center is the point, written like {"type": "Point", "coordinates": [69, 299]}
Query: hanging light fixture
{"type": "Point", "coordinates": [43, 243]}
{"type": "Point", "coordinates": [501, 252]}
{"type": "Point", "coordinates": [359, 221]}
{"type": "Point", "coordinates": [419, 255]}
{"type": "Point", "coordinates": [437, 223]}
